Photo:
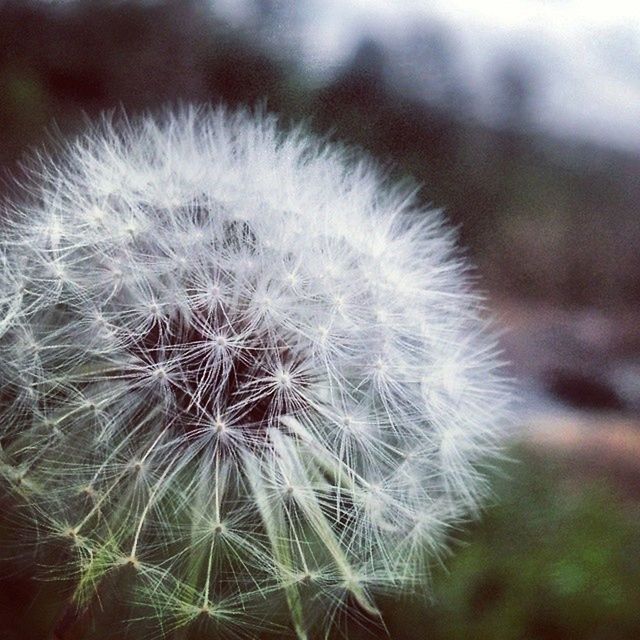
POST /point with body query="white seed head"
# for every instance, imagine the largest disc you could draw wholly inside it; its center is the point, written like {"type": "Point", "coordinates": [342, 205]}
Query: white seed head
{"type": "Point", "coordinates": [266, 373]}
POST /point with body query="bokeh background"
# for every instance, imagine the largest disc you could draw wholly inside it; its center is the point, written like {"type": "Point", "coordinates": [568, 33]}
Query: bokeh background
{"type": "Point", "coordinates": [522, 120]}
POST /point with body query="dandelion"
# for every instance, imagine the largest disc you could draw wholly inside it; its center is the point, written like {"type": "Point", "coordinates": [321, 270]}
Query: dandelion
{"type": "Point", "coordinates": [242, 369]}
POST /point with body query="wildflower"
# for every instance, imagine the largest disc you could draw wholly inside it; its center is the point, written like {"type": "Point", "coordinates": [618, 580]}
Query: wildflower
{"type": "Point", "coordinates": [240, 366]}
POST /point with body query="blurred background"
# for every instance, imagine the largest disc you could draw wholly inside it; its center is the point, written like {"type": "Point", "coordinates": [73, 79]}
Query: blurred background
{"type": "Point", "coordinates": [521, 118]}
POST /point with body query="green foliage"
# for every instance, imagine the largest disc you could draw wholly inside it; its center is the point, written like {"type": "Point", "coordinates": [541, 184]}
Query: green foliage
{"type": "Point", "coordinates": [555, 559]}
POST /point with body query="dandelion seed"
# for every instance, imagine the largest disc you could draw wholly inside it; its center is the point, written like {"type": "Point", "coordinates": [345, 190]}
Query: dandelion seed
{"type": "Point", "coordinates": [242, 365]}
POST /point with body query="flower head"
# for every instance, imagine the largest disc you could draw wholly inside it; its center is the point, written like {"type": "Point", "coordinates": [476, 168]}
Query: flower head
{"type": "Point", "coordinates": [239, 365]}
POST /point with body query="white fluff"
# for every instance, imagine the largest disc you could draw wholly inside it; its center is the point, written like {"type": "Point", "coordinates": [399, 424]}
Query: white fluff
{"type": "Point", "coordinates": [243, 364]}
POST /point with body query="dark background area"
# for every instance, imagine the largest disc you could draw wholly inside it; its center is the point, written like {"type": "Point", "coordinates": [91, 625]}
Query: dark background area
{"type": "Point", "coordinates": [552, 225]}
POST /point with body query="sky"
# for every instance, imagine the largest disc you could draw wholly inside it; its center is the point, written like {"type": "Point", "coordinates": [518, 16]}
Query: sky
{"type": "Point", "coordinates": [584, 54]}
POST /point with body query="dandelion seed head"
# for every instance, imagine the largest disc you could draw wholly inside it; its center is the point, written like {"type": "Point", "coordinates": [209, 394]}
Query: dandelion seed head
{"type": "Point", "coordinates": [264, 368]}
